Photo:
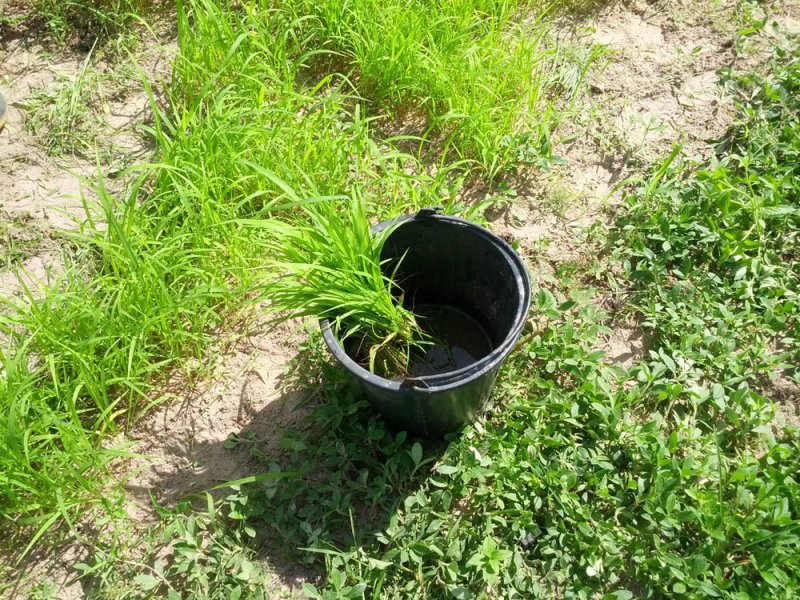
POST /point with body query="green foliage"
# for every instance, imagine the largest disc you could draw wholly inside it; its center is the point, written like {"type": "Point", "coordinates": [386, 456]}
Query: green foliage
{"type": "Point", "coordinates": [239, 100]}
{"type": "Point", "coordinates": [80, 358]}
{"type": "Point", "coordinates": [330, 268]}
{"type": "Point", "coordinates": [561, 489]}
{"type": "Point", "coordinates": [190, 553]}
{"type": "Point", "coordinates": [492, 90]}
{"type": "Point", "coordinates": [85, 21]}
{"type": "Point", "coordinates": [713, 249]}
{"type": "Point", "coordinates": [484, 78]}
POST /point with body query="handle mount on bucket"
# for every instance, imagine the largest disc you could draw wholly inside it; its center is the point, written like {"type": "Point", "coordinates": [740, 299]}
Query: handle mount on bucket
{"type": "Point", "coordinates": [430, 211]}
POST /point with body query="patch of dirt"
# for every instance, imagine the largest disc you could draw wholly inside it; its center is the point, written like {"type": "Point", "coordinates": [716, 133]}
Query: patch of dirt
{"type": "Point", "coordinates": [49, 572]}
{"type": "Point", "coordinates": [785, 393]}
{"type": "Point", "coordinates": [226, 427]}
{"type": "Point", "coordinates": [33, 274]}
{"type": "Point", "coordinates": [44, 189]}
{"type": "Point", "coordinates": [660, 87]}
{"type": "Point", "coordinates": [33, 183]}
{"type": "Point", "coordinates": [662, 84]}
{"type": "Point", "coordinates": [625, 346]}
{"type": "Point", "coordinates": [184, 439]}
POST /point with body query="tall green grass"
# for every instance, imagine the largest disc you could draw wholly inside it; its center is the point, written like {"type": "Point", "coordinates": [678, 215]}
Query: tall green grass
{"type": "Point", "coordinates": [154, 273]}
{"type": "Point", "coordinates": [485, 74]}
{"type": "Point", "coordinates": [139, 295]}
{"type": "Point", "coordinates": [331, 268]}
{"type": "Point", "coordinates": [487, 79]}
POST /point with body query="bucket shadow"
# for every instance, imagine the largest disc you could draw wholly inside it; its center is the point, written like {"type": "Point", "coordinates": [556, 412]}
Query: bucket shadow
{"type": "Point", "coordinates": [347, 470]}
{"type": "Point", "coordinates": [352, 471]}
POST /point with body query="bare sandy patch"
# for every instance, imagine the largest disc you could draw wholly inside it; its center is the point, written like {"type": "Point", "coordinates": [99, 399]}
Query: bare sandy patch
{"type": "Point", "coordinates": [224, 427]}
{"type": "Point", "coordinates": [47, 190]}
{"type": "Point", "coordinates": [219, 429]}
{"type": "Point", "coordinates": [625, 345]}
{"type": "Point", "coordinates": [785, 393]}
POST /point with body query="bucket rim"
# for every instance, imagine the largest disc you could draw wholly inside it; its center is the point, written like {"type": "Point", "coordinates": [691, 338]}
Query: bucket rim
{"type": "Point", "coordinates": [455, 378]}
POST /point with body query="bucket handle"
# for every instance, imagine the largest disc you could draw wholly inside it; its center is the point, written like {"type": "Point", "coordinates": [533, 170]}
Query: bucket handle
{"type": "Point", "coordinates": [414, 383]}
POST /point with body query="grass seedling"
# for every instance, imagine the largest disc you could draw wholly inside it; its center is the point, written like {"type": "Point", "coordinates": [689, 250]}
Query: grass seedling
{"type": "Point", "coordinates": [85, 21]}
{"type": "Point", "coordinates": [64, 119]}
{"type": "Point", "coordinates": [329, 266]}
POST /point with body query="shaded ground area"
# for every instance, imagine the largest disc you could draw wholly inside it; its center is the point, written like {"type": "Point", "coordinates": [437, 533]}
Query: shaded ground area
{"type": "Point", "coordinates": [202, 434]}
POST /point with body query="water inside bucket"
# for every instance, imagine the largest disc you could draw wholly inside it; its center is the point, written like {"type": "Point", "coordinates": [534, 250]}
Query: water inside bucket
{"type": "Point", "coordinates": [458, 340]}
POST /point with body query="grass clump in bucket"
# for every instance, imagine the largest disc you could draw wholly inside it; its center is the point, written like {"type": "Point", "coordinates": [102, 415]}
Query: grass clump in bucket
{"type": "Point", "coordinates": [328, 266]}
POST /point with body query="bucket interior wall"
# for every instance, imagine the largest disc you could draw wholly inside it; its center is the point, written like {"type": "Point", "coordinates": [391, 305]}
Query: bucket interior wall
{"type": "Point", "coordinates": [446, 262]}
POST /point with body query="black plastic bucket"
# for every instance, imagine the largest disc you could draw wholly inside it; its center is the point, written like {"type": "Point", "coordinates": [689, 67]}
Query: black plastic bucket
{"type": "Point", "coordinates": [450, 262]}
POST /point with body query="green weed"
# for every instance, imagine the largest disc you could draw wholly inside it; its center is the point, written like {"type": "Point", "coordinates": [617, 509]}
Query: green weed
{"type": "Point", "coordinates": [79, 359]}
{"type": "Point", "coordinates": [485, 76]}
{"type": "Point", "coordinates": [189, 553]}
{"type": "Point", "coordinates": [331, 269]}
{"type": "Point", "coordinates": [87, 21]}
{"type": "Point", "coordinates": [68, 120]}
{"type": "Point", "coordinates": [487, 85]}
{"type": "Point", "coordinates": [713, 249]}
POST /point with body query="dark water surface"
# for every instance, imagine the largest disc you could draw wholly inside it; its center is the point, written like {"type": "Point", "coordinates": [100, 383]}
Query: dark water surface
{"type": "Point", "coordinates": [458, 340]}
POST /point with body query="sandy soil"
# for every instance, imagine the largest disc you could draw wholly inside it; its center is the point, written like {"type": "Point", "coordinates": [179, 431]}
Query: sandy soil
{"type": "Point", "coordinates": [786, 395]}
{"type": "Point", "coordinates": [248, 396]}
{"type": "Point", "coordinates": [46, 190]}
{"type": "Point", "coordinates": [659, 88]}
